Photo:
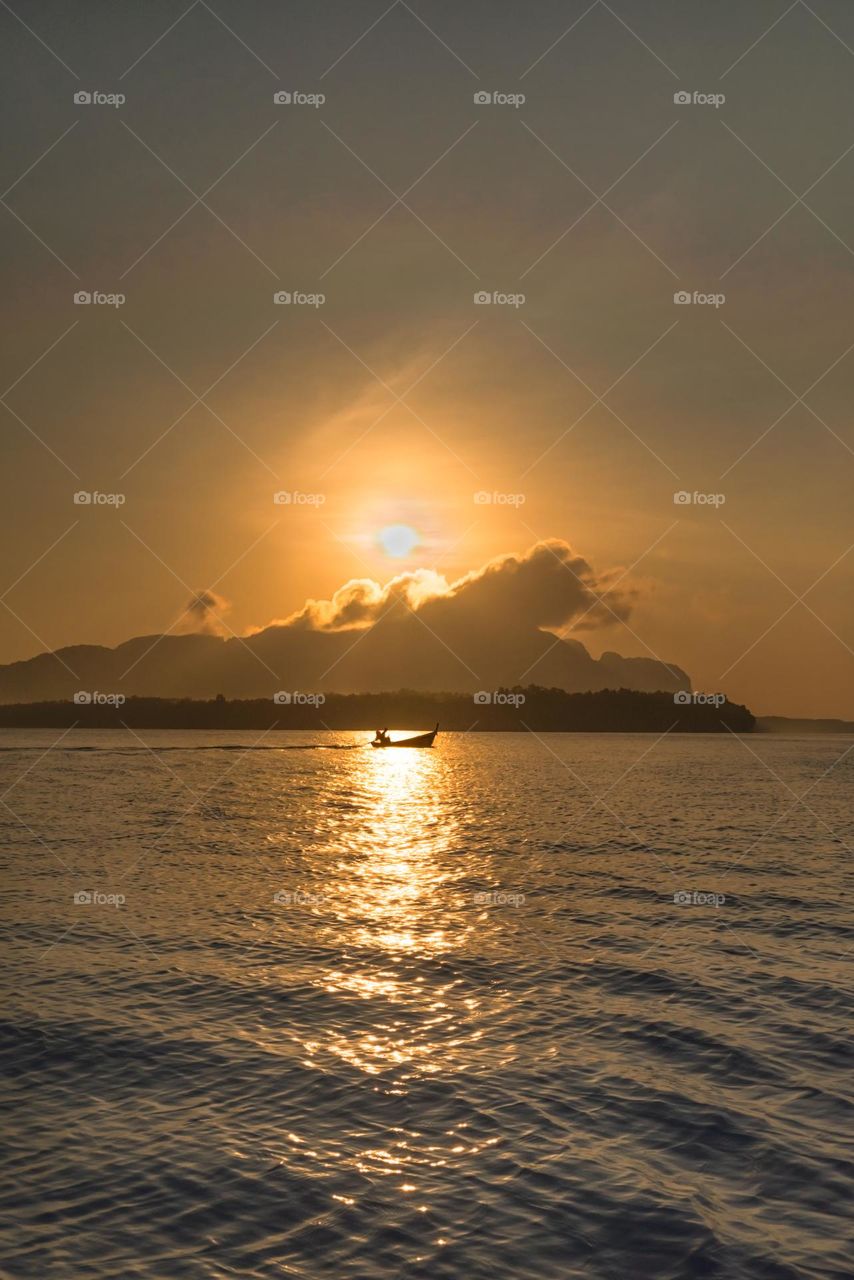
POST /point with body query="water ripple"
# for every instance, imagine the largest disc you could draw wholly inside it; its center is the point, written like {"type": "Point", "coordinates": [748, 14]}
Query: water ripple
{"type": "Point", "coordinates": [335, 1014]}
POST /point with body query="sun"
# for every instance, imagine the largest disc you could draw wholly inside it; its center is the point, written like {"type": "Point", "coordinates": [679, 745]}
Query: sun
{"type": "Point", "coordinates": [398, 540]}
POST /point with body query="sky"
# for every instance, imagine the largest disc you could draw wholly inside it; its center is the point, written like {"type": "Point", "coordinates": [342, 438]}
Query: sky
{"type": "Point", "coordinates": [704, 447]}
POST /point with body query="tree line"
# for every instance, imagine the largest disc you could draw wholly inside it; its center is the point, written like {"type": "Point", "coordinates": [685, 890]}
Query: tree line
{"type": "Point", "coordinates": [503, 710]}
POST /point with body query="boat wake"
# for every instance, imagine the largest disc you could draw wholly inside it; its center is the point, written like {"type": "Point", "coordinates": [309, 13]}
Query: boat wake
{"type": "Point", "coordinates": [225, 746]}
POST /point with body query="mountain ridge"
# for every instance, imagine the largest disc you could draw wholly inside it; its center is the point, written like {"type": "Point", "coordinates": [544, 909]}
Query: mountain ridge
{"type": "Point", "coordinates": [401, 653]}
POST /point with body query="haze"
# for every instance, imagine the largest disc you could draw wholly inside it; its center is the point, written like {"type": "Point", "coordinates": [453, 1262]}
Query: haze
{"type": "Point", "coordinates": [412, 429]}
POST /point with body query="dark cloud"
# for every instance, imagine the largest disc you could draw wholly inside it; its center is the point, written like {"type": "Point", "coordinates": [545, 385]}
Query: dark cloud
{"type": "Point", "coordinates": [549, 586]}
{"type": "Point", "coordinates": [203, 614]}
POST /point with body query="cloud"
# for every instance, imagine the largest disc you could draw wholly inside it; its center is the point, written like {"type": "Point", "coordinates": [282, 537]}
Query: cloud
{"type": "Point", "coordinates": [203, 615]}
{"type": "Point", "coordinates": [361, 602]}
{"type": "Point", "coordinates": [548, 587]}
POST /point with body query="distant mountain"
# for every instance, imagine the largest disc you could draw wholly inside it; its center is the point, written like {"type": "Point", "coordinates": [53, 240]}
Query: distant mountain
{"type": "Point", "coordinates": [492, 628]}
{"type": "Point", "coordinates": [395, 653]}
{"type": "Point", "coordinates": [785, 724]}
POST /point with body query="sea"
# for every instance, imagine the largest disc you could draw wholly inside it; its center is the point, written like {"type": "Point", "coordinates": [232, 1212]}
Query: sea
{"type": "Point", "coordinates": [558, 1007]}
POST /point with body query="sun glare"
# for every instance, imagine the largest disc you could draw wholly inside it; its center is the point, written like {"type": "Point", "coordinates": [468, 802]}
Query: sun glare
{"type": "Point", "coordinates": [398, 540]}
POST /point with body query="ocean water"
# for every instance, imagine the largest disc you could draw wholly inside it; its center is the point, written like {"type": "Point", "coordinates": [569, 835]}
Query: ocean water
{"type": "Point", "coordinates": [570, 1006]}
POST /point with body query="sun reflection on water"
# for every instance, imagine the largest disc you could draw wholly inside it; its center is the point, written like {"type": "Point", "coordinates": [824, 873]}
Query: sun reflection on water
{"type": "Point", "coordinates": [393, 871]}
{"type": "Point", "coordinates": [392, 913]}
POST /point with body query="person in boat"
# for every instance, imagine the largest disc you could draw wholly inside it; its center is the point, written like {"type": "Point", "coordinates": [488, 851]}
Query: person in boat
{"type": "Point", "coordinates": [381, 736]}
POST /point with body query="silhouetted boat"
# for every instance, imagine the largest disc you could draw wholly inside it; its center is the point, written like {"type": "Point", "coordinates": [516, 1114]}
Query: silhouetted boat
{"type": "Point", "coordinates": [420, 740]}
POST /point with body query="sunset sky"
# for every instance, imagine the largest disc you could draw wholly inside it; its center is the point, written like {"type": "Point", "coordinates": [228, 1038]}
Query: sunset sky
{"type": "Point", "coordinates": [583, 409]}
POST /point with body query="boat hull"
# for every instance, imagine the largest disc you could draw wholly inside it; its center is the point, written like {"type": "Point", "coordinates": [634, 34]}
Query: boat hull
{"type": "Point", "coordinates": [420, 740]}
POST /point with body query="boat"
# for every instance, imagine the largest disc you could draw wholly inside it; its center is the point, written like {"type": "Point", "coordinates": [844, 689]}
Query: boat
{"type": "Point", "coordinates": [420, 740]}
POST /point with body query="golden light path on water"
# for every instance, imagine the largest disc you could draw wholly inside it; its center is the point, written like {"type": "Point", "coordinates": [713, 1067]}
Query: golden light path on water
{"type": "Point", "coordinates": [391, 898]}
{"type": "Point", "coordinates": [394, 910]}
